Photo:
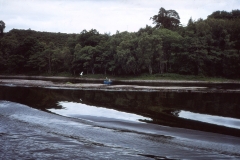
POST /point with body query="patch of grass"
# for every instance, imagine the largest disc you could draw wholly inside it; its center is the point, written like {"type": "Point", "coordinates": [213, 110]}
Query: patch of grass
{"type": "Point", "coordinates": [63, 74]}
{"type": "Point", "coordinates": [145, 76]}
{"type": "Point", "coordinates": [167, 76]}
{"type": "Point", "coordinates": [96, 76]}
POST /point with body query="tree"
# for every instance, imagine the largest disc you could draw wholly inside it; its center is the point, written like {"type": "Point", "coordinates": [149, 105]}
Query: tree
{"type": "Point", "coordinates": [77, 65]}
{"type": "Point", "coordinates": [62, 60]}
{"type": "Point", "coordinates": [8, 47]}
{"type": "Point", "coordinates": [225, 15]}
{"type": "Point", "coordinates": [167, 19]}
{"type": "Point", "coordinates": [208, 47]}
{"type": "Point", "coordinates": [236, 13]}
{"type": "Point", "coordinates": [170, 41]}
{"type": "Point", "coordinates": [89, 38]}
{"type": "Point", "coordinates": [37, 61]}
{"type": "Point", "coordinates": [71, 43]}
{"type": "Point", "coordinates": [114, 42]}
{"type": "Point", "coordinates": [2, 27]}
{"type": "Point", "coordinates": [105, 58]}
{"type": "Point", "coordinates": [126, 54]}
{"type": "Point", "coordinates": [150, 51]}
{"type": "Point", "coordinates": [220, 15]}
{"type": "Point", "coordinates": [88, 56]}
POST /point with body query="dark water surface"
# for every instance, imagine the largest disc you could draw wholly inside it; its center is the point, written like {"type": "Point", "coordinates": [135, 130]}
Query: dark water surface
{"type": "Point", "coordinates": [43, 123]}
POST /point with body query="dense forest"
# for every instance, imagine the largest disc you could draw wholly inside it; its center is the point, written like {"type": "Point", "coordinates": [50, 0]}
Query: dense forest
{"type": "Point", "coordinates": [207, 47]}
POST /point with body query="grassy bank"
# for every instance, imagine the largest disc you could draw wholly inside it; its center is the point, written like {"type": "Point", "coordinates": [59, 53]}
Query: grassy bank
{"type": "Point", "coordinates": [166, 76]}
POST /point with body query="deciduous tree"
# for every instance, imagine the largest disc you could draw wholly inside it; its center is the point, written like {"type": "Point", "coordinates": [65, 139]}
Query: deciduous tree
{"type": "Point", "coordinates": [2, 27]}
{"type": "Point", "coordinates": [167, 19]}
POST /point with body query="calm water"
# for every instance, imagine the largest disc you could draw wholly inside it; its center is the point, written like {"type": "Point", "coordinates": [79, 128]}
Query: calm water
{"type": "Point", "coordinates": [87, 124]}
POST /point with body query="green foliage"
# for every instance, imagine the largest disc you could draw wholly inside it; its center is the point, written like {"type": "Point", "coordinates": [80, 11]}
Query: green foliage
{"type": "Point", "coordinates": [209, 47]}
{"type": "Point", "coordinates": [127, 54]}
{"type": "Point", "coordinates": [167, 19]}
{"type": "Point", "coordinates": [225, 15]}
{"type": "Point", "coordinates": [150, 51]}
{"type": "Point", "coordinates": [2, 27]}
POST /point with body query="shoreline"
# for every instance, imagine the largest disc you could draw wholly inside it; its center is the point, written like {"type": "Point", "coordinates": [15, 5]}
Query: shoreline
{"type": "Point", "coordinates": [131, 85]}
{"type": "Point", "coordinates": [116, 80]}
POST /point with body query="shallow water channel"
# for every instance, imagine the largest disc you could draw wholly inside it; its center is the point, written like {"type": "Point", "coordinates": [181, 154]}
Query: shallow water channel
{"type": "Point", "coordinates": [92, 124]}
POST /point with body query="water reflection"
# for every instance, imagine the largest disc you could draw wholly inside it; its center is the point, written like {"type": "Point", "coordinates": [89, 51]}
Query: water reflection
{"type": "Point", "coordinates": [218, 120]}
{"type": "Point", "coordinates": [158, 106]}
{"type": "Point", "coordinates": [78, 110]}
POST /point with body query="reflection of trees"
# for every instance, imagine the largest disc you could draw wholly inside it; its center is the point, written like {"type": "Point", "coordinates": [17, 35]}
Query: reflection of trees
{"type": "Point", "coordinates": [156, 105]}
{"type": "Point", "coordinates": [144, 103]}
{"type": "Point", "coordinates": [156, 102]}
{"type": "Point", "coordinates": [176, 113]}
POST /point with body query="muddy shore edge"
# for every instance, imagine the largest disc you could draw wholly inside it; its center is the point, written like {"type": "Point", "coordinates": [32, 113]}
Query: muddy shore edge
{"type": "Point", "coordinates": [97, 84]}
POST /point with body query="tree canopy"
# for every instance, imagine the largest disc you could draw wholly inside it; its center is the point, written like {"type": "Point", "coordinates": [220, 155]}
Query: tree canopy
{"type": "Point", "coordinates": [2, 27]}
{"type": "Point", "coordinates": [168, 19]}
{"type": "Point", "coordinates": [209, 47]}
{"type": "Point", "coordinates": [225, 15]}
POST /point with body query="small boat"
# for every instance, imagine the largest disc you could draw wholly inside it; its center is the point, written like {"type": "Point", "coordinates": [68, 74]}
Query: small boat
{"type": "Point", "coordinates": [107, 81]}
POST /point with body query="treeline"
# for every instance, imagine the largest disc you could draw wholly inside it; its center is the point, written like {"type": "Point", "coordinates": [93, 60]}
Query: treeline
{"type": "Point", "coordinates": [207, 47]}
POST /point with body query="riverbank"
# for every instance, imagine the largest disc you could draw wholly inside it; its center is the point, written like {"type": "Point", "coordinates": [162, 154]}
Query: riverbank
{"type": "Point", "coordinates": [164, 76]}
{"type": "Point", "coordinates": [169, 78]}
{"type": "Point", "coordinates": [119, 85]}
